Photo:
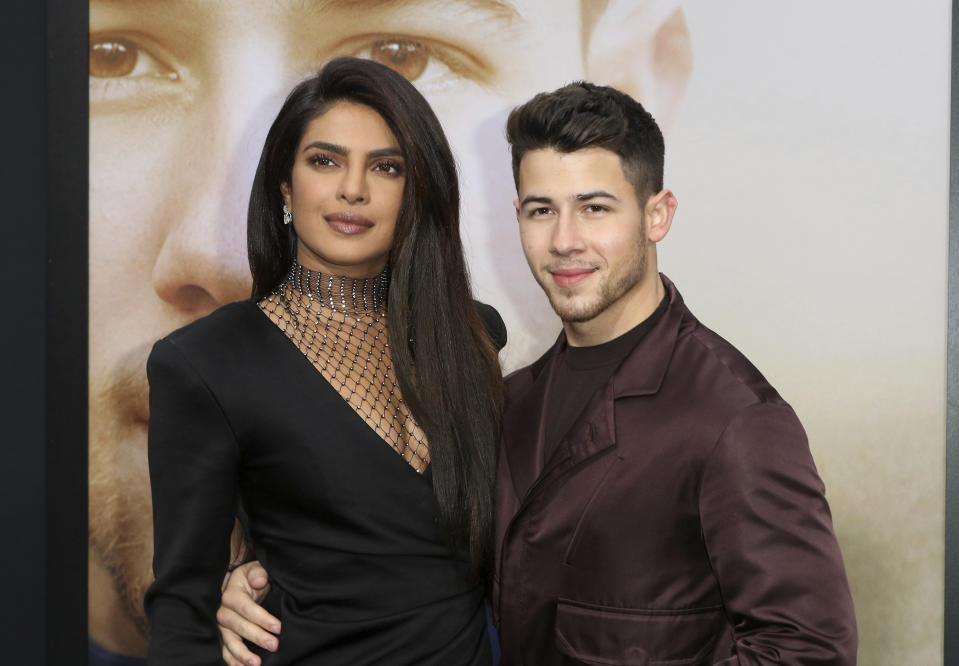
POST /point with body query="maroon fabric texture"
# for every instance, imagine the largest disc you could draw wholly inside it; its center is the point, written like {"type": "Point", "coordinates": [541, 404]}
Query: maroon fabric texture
{"type": "Point", "coordinates": [680, 521]}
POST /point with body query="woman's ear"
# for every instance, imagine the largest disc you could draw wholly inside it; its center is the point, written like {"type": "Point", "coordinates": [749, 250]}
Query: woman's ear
{"type": "Point", "coordinates": [285, 191]}
{"type": "Point", "coordinates": [642, 48]}
{"type": "Point", "coordinates": [659, 211]}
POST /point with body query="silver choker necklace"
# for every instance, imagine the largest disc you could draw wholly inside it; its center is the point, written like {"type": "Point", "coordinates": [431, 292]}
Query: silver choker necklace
{"type": "Point", "coordinates": [345, 295]}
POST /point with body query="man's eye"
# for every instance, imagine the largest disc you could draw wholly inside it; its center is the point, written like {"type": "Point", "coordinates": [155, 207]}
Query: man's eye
{"type": "Point", "coordinates": [407, 57]}
{"type": "Point", "coordinates": [116, 57]}
{"type": "Point", "coordinates": [430, 65]}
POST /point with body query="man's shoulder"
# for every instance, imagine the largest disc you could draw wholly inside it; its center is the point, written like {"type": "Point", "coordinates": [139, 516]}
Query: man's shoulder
{"type": "Point", "coordinates": [714, 357]}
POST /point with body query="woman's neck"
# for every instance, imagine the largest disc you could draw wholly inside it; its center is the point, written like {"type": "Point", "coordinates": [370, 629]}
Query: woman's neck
{"type": "Point", "coordinates": [348, 295]}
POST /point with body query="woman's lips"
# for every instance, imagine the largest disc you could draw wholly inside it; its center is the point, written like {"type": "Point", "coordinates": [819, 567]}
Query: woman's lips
{"type": "Point", "coordinates": [570, 277]}
{"type": "Point", "coordinates": [348, 223]}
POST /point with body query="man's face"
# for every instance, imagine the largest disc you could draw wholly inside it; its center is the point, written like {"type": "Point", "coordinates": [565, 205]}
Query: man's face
{"type": "Point", "coordinates": [583, 232]}
{"type": "Point", "coordinates": [182, 94]}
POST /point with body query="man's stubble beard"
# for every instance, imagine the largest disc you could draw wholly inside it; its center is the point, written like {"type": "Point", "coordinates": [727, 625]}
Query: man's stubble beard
{"type": "Point", "coordinates": [610, 290]}
{"type": "Point", "coordinates": [120, 519]}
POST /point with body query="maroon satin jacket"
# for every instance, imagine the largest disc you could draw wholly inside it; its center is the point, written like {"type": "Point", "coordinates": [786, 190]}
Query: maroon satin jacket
{"type": "Point", "coordinates": [681, 521]}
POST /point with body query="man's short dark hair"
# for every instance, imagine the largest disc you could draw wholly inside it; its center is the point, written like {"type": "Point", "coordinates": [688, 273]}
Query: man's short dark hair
{"type": "Point", "coordinates": [583, 115]}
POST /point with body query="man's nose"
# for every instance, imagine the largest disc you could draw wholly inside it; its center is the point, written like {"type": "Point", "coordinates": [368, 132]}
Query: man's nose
{"type": "Point", "coordinates": [566, 237]}
{"type": "Point", "coordinates": [203, 261]}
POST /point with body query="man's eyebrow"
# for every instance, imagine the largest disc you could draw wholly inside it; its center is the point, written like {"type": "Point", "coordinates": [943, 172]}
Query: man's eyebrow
{"type": "Point", "coordinates": [500, 9]}
{"type": "Point", "coordinates": [497, 9]}
{"type": "Point", "coordinates": [595, 194]}
{"type": "Point", "coordinates": [582, 196]}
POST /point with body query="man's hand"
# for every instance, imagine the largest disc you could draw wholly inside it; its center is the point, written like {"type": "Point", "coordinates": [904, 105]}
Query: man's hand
{"type": "Point", "coordinates": [241, 616]}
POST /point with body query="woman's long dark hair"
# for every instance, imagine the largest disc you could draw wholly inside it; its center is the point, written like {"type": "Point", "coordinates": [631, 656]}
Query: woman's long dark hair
{"type": "Point", "coordinates": [444, 360]}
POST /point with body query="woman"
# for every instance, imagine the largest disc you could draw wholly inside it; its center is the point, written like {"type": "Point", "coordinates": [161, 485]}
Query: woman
{"type": "Point", "coordinates": [352, 405]}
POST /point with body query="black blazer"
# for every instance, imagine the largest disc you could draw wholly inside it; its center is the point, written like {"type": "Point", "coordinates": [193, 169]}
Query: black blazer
{"type": "Point", "coordinates": [360, 571]}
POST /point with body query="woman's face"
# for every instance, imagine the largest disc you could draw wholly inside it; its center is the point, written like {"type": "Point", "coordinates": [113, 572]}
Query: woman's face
{"type": "Point", "coordinates": [345, 191]}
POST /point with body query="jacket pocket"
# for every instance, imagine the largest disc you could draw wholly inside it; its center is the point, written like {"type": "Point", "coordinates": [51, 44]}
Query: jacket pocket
{"type": "Point", "coordinates": [605, 636]}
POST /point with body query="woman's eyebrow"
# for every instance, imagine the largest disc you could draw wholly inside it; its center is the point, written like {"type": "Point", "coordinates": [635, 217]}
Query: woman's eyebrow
{"type": "Point", "coordinates": [391, 151]}
{"type": "Point", "coordinates": [385, 152]}
{"type": "Point", "coordinates": [331, 147]}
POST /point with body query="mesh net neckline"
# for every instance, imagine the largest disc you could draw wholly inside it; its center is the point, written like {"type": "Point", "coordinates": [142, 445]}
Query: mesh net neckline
{"type": "Point", "coordinates": [339, 323]}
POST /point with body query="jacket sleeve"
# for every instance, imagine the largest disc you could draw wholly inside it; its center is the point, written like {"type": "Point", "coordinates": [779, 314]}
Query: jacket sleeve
{"type": "Point", "coordinates": [495, 326]}
{"type": "Point", "coordinates": [193, 459]}
{"type": "Point", "coordinates": [770, 539]}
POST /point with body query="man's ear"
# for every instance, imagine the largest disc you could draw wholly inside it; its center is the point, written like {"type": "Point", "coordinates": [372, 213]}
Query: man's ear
{"type": "Point", "coordinates": [642, 48]}
{"type": "Point", "coordinates": [659, 212]}
{"type": "Point", "coordinates": [516, 208]}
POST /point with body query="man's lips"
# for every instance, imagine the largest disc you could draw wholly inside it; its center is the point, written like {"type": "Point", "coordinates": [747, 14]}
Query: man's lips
{"type": "Point", "coordinates": [348, 223]}
{"type": "Point", "coordinates": [570, 277]}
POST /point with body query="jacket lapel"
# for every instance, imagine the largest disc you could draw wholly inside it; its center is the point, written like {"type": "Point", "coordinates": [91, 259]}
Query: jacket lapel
{"type": "Point", "coordinates": [643, 370]}
{"type": "Point", "coordinates": [524, 421]}
{"type": "Point", "coordinates": [594, 431]}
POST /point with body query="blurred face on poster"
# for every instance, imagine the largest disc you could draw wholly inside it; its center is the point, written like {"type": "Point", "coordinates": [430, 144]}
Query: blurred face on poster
{"type": "Point", "coordinates": [181, 96]}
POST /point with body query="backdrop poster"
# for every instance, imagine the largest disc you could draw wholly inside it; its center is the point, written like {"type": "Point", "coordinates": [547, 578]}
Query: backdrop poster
{"type": "Point", "coordinates": [807, 145]}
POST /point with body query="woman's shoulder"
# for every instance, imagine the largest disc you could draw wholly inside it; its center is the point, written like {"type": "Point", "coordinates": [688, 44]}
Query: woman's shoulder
{"type": "Point", "coordinates": [495, 326]}
{"type": "Point", "coordinates": [225, 325]}
{"type": "Point", "coordinates": [233, 336]}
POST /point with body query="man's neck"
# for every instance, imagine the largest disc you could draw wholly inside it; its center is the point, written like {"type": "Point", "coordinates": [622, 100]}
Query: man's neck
{"type": "Point", "coordinates": [626, 313]}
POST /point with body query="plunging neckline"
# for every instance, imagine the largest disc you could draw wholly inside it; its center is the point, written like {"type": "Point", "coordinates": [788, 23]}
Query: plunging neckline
{"type": "Point", "coordinates": [292, 346]}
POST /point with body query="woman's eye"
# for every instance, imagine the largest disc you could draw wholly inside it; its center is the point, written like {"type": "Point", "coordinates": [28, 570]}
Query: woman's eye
{"type": "Point", "coordinates": [116, 57]}
{"type": "Point", "coordinates": [321, 160]}
{"type": "Point", "coordinates": [391, 168]}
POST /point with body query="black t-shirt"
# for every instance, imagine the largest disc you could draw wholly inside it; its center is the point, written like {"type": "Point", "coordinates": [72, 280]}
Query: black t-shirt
{"type": "Point", "coordinates": [581, 371]}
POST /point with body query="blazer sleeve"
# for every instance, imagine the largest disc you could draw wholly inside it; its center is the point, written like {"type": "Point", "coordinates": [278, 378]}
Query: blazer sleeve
{"type": "Point", "coordinates": [495, 326]}
{"type": "Point", "coordinates": [193, 458]}
{"type": "Point", "coordinates": [770, 539]}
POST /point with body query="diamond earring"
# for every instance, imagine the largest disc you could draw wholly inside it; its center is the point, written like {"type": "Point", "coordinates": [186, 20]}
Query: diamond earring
{"type": "Point", "coordinates": [287, 215]}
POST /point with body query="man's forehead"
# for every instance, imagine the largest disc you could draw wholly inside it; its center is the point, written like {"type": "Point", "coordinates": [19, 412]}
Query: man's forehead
{"type": "Point", "coordinates": [566, 175]}
{"type": "Point", "coordinates": [568, 159]}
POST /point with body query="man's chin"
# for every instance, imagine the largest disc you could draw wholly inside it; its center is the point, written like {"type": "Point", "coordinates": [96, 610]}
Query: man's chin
{"type": "Point", "coordinates": [113, 624]}
{"type": "Point", "coordinates": [122, 545]}
{"type": "Point", "coordinates": [574, 310]}
{"type": "Point", "coordinates": [120, 516]}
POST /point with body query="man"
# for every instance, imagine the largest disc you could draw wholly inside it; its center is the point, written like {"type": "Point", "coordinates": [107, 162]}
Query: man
{"type": "Point", "coordinates": [656, 498]}
{"type": "Point", "coordinates": [181, 96]}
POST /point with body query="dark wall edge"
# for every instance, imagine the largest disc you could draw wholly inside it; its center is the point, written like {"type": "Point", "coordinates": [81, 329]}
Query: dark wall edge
{"type": "Point", "coordinates": [22, 378]}
{"type": "Point", "coordinates": [66, 349]}
{"type": "Point", "coordinates": [951, 618]}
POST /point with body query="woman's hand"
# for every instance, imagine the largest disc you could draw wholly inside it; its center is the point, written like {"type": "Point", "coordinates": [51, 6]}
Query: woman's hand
{"type": "Point", "coordinates": [241, 616]}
